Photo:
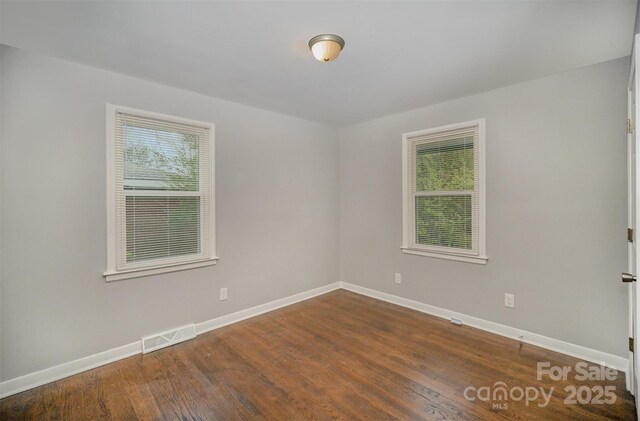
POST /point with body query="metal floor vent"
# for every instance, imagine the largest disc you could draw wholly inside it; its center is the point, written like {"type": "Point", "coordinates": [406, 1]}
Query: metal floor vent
{"type": "Point", "coordinates": [171, 337]}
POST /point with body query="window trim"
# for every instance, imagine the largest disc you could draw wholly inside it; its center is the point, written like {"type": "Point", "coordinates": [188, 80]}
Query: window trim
{"type": "Point", "coordinates": [113, 273]}
{"type": "Point", "coordinates": [408, 238]}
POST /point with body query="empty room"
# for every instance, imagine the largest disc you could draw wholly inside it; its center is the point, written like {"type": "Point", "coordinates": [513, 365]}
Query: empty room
{"type": "Point", "coordinates": [314, 210]}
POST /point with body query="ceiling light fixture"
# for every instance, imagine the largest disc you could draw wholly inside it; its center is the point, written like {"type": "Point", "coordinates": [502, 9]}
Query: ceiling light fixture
{"type": "Point", "coordinates": [326, 47]}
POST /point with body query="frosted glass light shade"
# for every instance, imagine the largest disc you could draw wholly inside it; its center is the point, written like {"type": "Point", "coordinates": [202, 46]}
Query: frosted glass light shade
{"type": "Point", "coordinates": [326, 47]}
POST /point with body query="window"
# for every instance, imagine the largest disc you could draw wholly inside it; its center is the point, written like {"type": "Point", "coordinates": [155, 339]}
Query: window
{"type": "Point", "coordinates": [443, 192]}
{"type": "Point", "coordinates": [160, 193]}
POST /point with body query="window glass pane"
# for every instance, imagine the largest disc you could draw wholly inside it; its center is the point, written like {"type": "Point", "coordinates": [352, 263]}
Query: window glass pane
{"type": "Point", "coordinates": [444, 221]}
{"type": "Point", "coordinates": [160, 160]}
{"type": "Point", "coordinates": [445, 166]}
{"type": "Point", "coordinates": [161, 227]}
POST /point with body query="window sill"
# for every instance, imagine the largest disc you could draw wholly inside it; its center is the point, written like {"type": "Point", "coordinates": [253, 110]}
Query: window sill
{"type": "Point", "coordinates": [479, 260]}
{"type": "Point", "coordinates": [137, 273]}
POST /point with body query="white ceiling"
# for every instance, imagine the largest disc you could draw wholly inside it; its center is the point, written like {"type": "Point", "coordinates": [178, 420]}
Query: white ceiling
{"type": "Point", "coordinates": [398, 55]}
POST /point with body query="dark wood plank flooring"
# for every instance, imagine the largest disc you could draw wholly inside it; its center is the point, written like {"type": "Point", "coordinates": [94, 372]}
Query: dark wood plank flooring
{"type": "Point", "coordinates": [337, 356]}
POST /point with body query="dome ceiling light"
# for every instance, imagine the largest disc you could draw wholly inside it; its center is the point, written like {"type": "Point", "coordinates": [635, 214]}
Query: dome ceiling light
{"type": "Point", "coordinates": [326, 47]}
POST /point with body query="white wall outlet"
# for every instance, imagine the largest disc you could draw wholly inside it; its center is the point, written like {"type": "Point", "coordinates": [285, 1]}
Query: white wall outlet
{"type": "Point", "coordinates": [509, 300]}
{"type": "Point", "coordinates": [223, 294]}
{"type": "Point", "coordinates": [398, 279]}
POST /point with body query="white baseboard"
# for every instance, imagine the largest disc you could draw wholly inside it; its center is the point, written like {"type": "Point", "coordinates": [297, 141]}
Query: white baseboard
{"type": "Point", "coordinates": [263, 308]}
{"type": "Point", "coordinates": [38, 378]}
{"type": "Point", "coordinates": [51, 374]}
{"type": "Point", "coordinates": [581, 352]}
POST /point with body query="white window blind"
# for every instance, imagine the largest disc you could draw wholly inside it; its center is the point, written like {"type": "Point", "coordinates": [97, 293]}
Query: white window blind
{"type": "Point", "coordinates": [163, 191]}
{"type": "Point", "coordinates": [444, 212]}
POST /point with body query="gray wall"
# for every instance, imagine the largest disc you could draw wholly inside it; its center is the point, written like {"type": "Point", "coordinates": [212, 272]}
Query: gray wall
{"type": "Point", "coordinates": [556, 208]}
{"type": "Point", "coordinates": [277, 218]}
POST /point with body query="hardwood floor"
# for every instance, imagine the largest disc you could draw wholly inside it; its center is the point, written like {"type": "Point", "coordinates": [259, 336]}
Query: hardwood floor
{"type": "Point", "coordinates": [337, 356]}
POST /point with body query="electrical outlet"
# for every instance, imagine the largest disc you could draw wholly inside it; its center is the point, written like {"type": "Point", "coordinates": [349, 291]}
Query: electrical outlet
{"type": "Point", "coordinates": [509, 300]}
{"type": "Point", "coordinates": [223, 294]}
{"type": "Point", "coordinates": [398, 278]}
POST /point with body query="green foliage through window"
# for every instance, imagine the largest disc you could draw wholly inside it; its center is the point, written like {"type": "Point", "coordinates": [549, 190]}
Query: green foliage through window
{"type": "Point", "coordinates": [444, 221]}
{"type": "Point", "coordinates": [444, 166]}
